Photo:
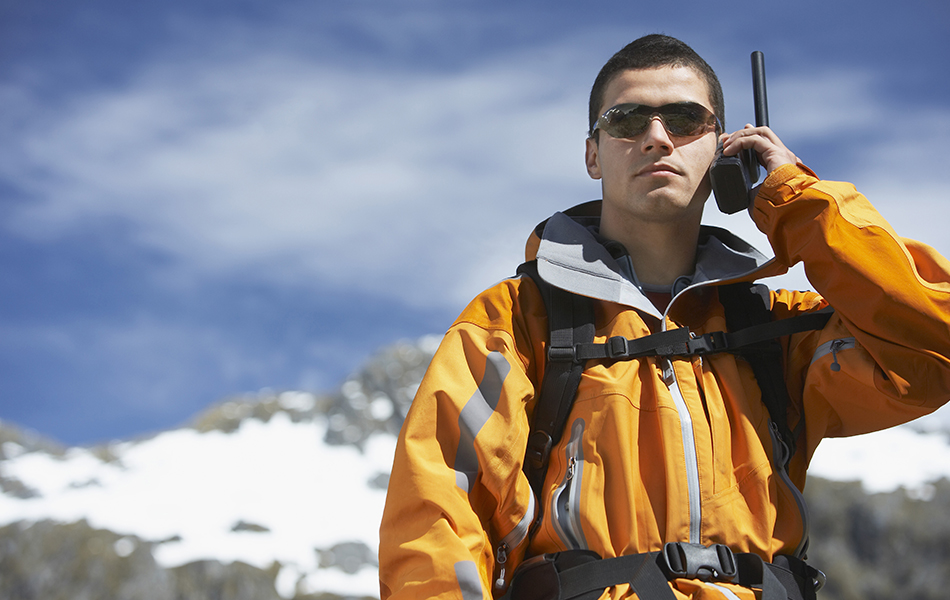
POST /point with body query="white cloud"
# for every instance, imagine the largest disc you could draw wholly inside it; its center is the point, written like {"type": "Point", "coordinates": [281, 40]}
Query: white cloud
{"type": "Point", "coordinates": [302, 170]}
{"type": "Point", "coordinates": [421, 184]}
{"type": "Point", "coordinates": [821, 105]}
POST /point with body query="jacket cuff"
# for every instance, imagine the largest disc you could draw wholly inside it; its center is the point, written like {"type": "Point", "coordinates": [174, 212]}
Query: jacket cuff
{"type": "Point", "coordinates": [784, 182]}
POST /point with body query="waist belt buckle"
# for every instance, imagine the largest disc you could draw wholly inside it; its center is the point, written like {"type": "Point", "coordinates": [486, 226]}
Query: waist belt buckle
{"type": "Point", "coordinates": [695, 561]}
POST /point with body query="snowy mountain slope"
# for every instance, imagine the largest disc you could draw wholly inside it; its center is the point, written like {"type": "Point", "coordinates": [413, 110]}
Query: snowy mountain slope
{"type": "Point", "coordinates": [268, 491]}
{"type": "Point", "coordinates": [292, 479]}
{"type": "Point", "coordinates": [298, 480]}
{"type": "Point", "coordinates": [911, 456]}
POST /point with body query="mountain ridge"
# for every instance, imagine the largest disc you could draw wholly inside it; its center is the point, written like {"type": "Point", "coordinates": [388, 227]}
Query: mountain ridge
{"type": "Point", "coordinates": [238, 468]}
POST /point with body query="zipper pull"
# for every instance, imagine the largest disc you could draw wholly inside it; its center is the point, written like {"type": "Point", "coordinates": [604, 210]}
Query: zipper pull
{"type": "Point", "coordinates": [835, 347]}
{"type": "Point", "coordinates": [501, 557]}
{"type": "Point", "coordinates": [669, 376]}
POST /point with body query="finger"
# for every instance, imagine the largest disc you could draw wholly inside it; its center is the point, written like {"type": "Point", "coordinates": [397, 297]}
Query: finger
{"type": "Point", "coordinates": [757, 137]}
{"type": "Point", "coordinates": [772, 152]}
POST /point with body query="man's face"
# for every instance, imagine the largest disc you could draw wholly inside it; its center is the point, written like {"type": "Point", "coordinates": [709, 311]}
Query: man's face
{"type": "Point", "coordinates": [655, 176]}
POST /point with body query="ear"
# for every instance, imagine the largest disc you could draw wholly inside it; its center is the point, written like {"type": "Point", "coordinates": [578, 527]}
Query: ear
{"type": "Point", "coordinates": [592, 158]}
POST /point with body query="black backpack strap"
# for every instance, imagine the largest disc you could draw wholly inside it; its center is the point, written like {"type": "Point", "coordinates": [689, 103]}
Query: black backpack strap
{"type": "Point", "coordinates": [570, 323]}
{"type": "Point", "coordinates": [681, 342]}
{"type": "Point", "coordinates": [583, 575]}
{"type": "Point", "coordinates": [747, 305]}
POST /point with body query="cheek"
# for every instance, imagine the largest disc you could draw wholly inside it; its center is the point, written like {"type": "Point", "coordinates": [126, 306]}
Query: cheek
{"type": "Point", "coordinates": [618, 156]}
{"type": "Point", "coordinates": [699, 159]}
{"type": "Point", "coordinates": [704, 189]}
{"type": "Point", "coordinates": [608, 165]}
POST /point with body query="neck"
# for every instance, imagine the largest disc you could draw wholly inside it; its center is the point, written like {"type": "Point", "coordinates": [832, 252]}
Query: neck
{"type": "Point", "coordinates": [660, 252]}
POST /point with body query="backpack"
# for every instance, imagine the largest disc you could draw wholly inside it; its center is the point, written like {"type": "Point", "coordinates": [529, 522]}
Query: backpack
{"type": "Point", "coordinates": [753, 336]}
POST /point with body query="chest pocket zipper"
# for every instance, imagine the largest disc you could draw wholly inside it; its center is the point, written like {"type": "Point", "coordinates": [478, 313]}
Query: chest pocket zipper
{"type": "Point", "coordinates": [833, 348]}
{"type": "Point", "coordinates": [566, 499]}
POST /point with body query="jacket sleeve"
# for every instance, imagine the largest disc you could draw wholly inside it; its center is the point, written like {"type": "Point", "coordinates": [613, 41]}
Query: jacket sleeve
{"type": "Point", "coordinates": [884, 358]}
{"type": "Point", "coordinates": [456, 490]}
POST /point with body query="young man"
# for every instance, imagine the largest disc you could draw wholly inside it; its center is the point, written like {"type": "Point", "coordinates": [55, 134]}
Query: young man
{"type": "Point", "coordinates": [661, 449]}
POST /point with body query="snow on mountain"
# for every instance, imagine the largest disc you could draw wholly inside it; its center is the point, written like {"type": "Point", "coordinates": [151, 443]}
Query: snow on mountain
{"type": "Point", "coordinates": [909, 456]}
{"type": "Point", "coordinates": [301, 482]}
{"type": "Point", "coordinates": [268, 491]}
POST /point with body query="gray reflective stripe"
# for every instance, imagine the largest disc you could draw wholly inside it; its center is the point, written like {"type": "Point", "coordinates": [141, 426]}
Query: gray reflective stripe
{"type": "Point", "coordinates": [724, 591]}
{"type": "Point", "coordinates": [834, 346]}
{"type": "Point", "coordinates": [470, 584]}
{"type": "Point", "coordinates": [566, 499]}
{"type": "Point", "coordinates": [474, 415]}
{"type": "Point", "coordinates": [689, 453]}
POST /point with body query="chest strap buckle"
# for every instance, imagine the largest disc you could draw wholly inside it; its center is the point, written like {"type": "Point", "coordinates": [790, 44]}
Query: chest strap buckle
{"type": "Point", "coordinates": [695, 561]}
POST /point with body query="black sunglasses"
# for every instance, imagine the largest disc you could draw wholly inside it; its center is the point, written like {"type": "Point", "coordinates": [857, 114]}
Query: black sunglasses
{"type": "Point", "coordinates": [680, 119]}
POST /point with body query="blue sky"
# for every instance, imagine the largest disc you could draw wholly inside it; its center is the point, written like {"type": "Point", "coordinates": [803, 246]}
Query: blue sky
{"type": "Point", "coordinates": [203, 199]}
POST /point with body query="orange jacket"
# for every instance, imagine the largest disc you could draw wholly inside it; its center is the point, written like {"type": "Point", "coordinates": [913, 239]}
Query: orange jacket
{"type": "Point", "coordinates": [656, 450]}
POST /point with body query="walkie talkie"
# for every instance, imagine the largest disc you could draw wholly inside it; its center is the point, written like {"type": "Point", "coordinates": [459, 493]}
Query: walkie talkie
{"type": "Point", "coordinates": [732, 177]}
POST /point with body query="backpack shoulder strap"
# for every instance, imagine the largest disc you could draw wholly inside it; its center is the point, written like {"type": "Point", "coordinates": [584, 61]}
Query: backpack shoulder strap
{"type": "Point", "coordinates": [570, 322]}
{"type": "Point", "coordinates": [747, 305]}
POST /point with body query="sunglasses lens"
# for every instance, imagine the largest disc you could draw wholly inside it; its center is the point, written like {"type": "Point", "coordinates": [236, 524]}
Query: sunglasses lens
{"type": "Point", "coordinates": [686, 119]}
{"type": "Point", "coordinates": [623, 123]}
{"type": "Point", "coordinates": [681, 119]}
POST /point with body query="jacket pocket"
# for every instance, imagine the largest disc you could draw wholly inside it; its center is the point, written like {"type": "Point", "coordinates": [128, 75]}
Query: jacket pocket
{"type": "Point", "coordinates": [833, 348]}
{"type": "Point", "coordinates": [566, 499]}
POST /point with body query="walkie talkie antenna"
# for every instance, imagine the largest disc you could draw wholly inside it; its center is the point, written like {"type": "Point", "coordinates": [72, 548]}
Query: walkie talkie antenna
{"type": "Point", "coordinates": [758, 90]}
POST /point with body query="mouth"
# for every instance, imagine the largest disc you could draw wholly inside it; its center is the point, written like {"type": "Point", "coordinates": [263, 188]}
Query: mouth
{"type": "Point", "coordinates": [658, 169]}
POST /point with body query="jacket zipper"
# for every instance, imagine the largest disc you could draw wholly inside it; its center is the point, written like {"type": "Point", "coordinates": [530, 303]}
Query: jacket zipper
{"type": "Point", "coordinates": [566, 499]}
{"type": "Point", "coordinates": [501, 557]}
{"type": "Point", "coordinates": [689, 450]}
{"type": "Point", "coordinates": [514, 539]}
{"type": "Point", "coordinates": [780, 458]}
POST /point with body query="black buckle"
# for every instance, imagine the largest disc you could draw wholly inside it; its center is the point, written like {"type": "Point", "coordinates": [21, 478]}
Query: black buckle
{"type": "Point", "coordinates": [695, 561]}
{"type": "Point", "coordinates": [709, 342]}
{"type": "Point", "coordinates": [561, 353]}
{"type": "Point", "coordinates": [617, 347]}
{"type": "Point", "coordinates": [539, 448]}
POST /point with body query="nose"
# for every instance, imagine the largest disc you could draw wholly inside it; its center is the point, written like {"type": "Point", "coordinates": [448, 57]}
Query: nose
{"type": "Point", "coordinates": [656, 137]}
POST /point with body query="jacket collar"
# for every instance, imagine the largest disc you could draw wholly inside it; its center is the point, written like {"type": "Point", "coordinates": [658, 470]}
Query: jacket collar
{"type": "Point", "coordinates": [570, 257]}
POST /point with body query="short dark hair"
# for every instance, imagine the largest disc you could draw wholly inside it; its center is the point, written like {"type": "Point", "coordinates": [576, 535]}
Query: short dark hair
{"type": "Point", "coordinates": [651, 52]}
